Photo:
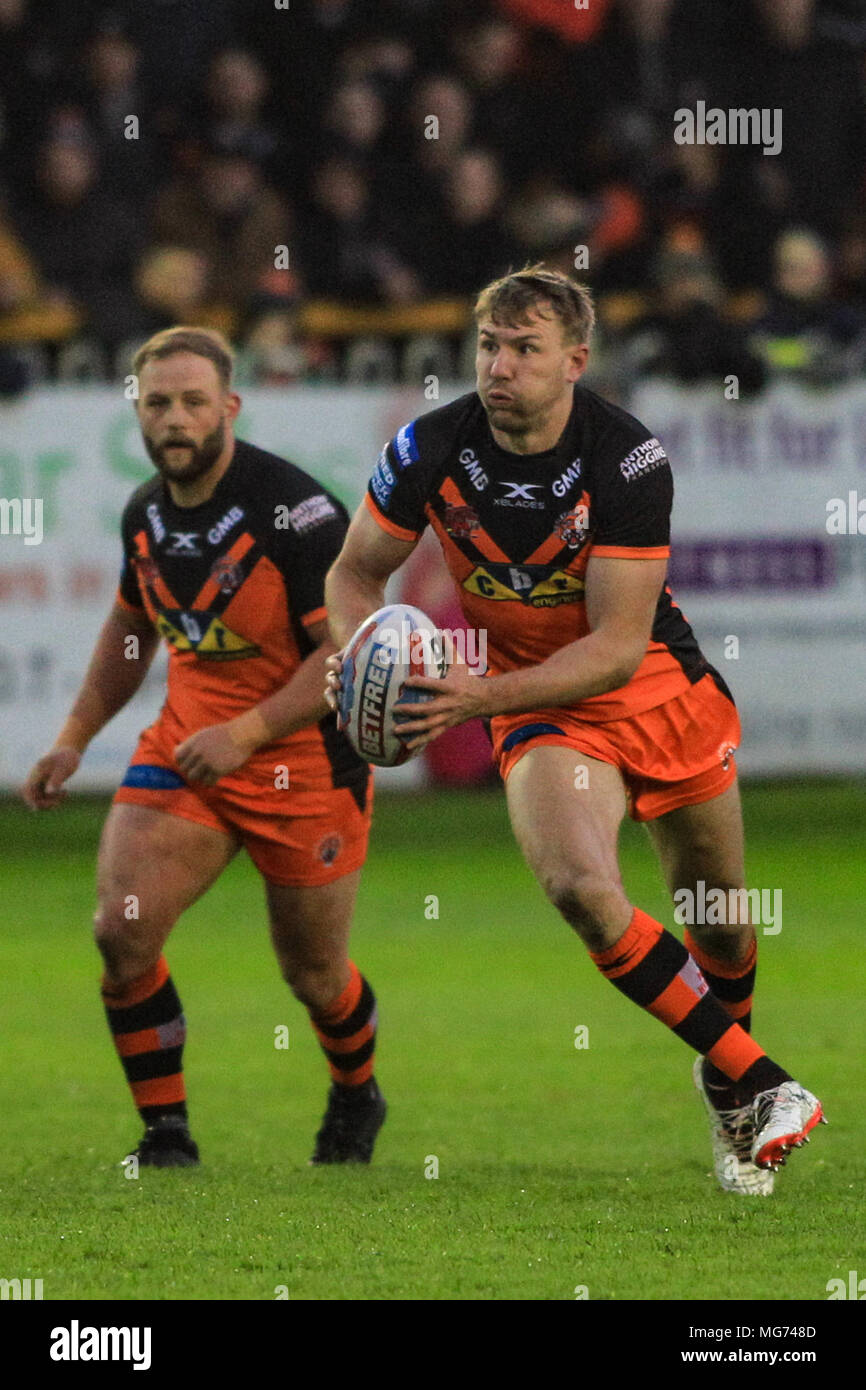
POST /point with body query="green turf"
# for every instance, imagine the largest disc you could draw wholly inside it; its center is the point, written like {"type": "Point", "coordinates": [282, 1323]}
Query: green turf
{"type": "Point", "coordinates": [558, 1167]}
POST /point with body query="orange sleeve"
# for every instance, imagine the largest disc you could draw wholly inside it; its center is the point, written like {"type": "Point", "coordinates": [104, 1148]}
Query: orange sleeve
{"type": "Point", "coordinates": [631, 552]}
{"type": "Point", "coordinates": [398, 532]}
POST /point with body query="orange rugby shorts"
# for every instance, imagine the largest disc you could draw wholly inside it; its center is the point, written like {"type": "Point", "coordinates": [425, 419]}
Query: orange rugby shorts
{"type": "Point", "coordinates": [307, 834]}
{"type": "Point", "coordinates": [678, 754]}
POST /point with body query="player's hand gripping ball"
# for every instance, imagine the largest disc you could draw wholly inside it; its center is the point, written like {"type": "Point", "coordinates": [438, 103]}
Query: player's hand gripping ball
{"type": "Point", "coordinates": [394, 643]}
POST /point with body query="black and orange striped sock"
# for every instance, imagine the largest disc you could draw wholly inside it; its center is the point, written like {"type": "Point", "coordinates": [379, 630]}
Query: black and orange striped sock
{"type": "Point", "coordinates": [733, 984]}
{"type": "Point", "coordinates": [149, 1029]}
{"type": "Point", "coordinates": [654, 969]}
{"type": "Point", "coordinates": [346, 1030]}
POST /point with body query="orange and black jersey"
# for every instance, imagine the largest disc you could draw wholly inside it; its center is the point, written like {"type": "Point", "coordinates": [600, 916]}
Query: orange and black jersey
{"type": "Point", "coordinates": [233, 585]}
{"type": "Point", "coordinates": [517, 532]}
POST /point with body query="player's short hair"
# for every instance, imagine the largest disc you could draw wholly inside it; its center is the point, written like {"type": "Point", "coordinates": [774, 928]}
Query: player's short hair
{"type": "Point", "coordinates": [509, 300]}
{"type": "Point", "coordinates": [202, 342]}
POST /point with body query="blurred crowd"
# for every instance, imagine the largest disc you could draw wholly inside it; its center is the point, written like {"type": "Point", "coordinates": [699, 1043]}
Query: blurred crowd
{"type": "Point", "coordinates": [301, 172]}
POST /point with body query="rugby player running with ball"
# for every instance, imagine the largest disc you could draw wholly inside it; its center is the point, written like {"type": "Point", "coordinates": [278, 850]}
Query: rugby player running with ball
{"type": "Point", "coordinates": [553, 507]}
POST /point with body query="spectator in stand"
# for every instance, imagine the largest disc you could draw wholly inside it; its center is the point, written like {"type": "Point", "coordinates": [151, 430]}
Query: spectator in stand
{"type": "Point", "coordinates": [386, 60]}
{"type": "Point", "coordinates": [347, 251]}
{"type": "Point", "coordinates": [83, 241]}
{"type": "Point", "coordinates": [177, 40]}
{"type": "Point", "coordinates": [687, 338]}
{"type": "Point", "coordinates": [683, 183]}
{"type": "Point", "coordinates": [441, 120]}
{"type": "Point", "coordinates": [545, 214]}
{"type": "Point", "coordinates": [172, 286]}
{"type": "Point", "coordinates": [356, 126]}
{"type": "Point", "coordinates": [118, 115]}
{"type": "Point", "coordinates": [478, 247]}
{"type": "Point", "coordinates": [575, 25]}
{"type": "Point", "coordinates": [851, 279]}
{"type": "Point", "coordinates": [355, 121]}
{"type": "Point", "coordinates": [816, 74]}
{"type": "Point", "coordinates": [407, 186]}
{"type": "Point", "coordinates": [509, 117]}
{"type": "Point", "coordinates": [301, 49]}
{"type": "Point", "coordinates": [28, 78]}
{"type": "Point", "coordinates": [275, 352]}
{"type": "Point", "coordinates": [236, 92]}
{"type": "Point", "coordinates": [805, 333]}
{"type": "Point", "coordinates": [229, 214]}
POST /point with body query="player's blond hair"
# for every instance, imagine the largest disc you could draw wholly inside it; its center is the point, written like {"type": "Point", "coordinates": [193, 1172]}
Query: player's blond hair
{"type": "Point", "coordinates": [202, 342]}
{"type": "Point", "coordinates": [509, 300]}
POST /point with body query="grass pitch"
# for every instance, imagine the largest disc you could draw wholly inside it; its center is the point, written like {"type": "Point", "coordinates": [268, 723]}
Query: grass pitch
{"type": "Point", "coordinates": [560, 1168]}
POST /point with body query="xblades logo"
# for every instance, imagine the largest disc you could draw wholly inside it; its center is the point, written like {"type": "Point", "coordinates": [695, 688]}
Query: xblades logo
{"type": "Point", "coordinates": [184, 543]}
{"type": "Point", "coordinates": [519, 496]}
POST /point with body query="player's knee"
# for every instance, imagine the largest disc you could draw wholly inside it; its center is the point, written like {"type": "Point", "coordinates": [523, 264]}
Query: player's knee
{"type": "Point", "coordinates": [125, 950]}
{"type": "Point", "coordinates": [729, 933]}
{"type": "Point", "coordinates": [315, 984]}
{"type": "Point", "coordinates": [726, 904]}
{"type": "Point", "coordinates": [590, 902]}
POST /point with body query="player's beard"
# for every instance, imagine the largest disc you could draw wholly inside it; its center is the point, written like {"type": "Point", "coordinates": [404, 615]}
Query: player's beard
{"type": "Point", "coordinates": [201, 458]}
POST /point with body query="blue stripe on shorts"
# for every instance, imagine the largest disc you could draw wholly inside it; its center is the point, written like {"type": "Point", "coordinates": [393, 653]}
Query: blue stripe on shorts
{"type": "Point", "coordinates": [528, 731]}
{"type": "Point", "coordinates": [152, 777]}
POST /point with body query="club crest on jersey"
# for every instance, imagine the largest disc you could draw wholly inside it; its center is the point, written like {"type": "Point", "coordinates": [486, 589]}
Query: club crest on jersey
{"type": "Point", "coordinates": [726, 752]}
{"type": "Point", "coordinates": [329, 848]}
{"type": "Point", "coordinates": [572, 526]}
{"type": "Point", "coordinates": [147, 569]}
{"type": "Point", "coordinates": [227, 574]}
{"type": "Point", "coordinates": [462, 522]}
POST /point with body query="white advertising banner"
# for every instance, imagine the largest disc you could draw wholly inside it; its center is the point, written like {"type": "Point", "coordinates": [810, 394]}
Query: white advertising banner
{"type": "Point", "coordinates": [767, 564]}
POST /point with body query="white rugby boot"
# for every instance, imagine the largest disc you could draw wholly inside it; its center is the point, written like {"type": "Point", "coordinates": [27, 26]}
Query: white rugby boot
{"type": "Point", "coordinates": [732, 1133]}
{"type": "Point", "coordinates": [782, 1119]}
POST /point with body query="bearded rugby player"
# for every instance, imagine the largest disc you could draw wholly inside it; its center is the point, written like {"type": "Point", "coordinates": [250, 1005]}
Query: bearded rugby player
{"type": "Point", "coordinates": [225, 556]}
{"type": "Point", "coordinates": [553, 507]}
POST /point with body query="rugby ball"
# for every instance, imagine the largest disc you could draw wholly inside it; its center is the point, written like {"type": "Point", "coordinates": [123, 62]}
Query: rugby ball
{"type": "Point", "coordinates": [393, 643]}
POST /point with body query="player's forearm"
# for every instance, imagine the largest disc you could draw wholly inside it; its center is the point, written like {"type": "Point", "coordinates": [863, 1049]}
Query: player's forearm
{"type": "Point", "coordinates": [350, 597]}
{"type": "Point", "coordinates": [297, 704]}
{"type": "Point", "coordinates": [117, 668]}
{"type": "Point", "coordinates": [591, 666]}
